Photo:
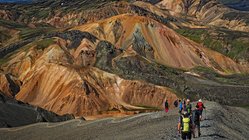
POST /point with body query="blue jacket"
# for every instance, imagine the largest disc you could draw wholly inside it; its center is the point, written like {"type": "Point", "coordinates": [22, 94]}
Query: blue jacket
{"type": "Point", "coordinates": [180, 106]}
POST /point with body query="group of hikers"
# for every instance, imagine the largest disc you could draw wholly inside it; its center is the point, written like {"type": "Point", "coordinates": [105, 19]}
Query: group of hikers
{"type": "Point", "coordinates": [189, 119]}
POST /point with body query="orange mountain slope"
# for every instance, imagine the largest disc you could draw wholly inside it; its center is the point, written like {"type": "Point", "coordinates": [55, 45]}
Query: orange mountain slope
{"type": "Point", "coordinates": [64, 77]}
{"type": "Point", "coordinates": [167, 47]}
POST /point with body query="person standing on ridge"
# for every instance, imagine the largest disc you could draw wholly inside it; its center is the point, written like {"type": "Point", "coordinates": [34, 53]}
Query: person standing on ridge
{"type": "Point", "coordinates": [200, 106]}
{"type": "Point", "coordinates": [185, 126]}
{"type": "Point", "coordinates": [166, 106]}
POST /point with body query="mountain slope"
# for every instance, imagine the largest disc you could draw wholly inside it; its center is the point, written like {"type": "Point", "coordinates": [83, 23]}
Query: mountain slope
{"type": "Point", "coordinates": [90, 76]}
{"type": "Point", "coordinates": [162, 44]}
{"type": "Point", "coordinates": [128, 62]}
{"type": "Point", "coordinates": [210, 13]}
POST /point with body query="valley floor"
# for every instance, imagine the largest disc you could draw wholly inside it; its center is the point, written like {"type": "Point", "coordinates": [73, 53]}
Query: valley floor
{"type": "Point", "coordinates": [221, 122]}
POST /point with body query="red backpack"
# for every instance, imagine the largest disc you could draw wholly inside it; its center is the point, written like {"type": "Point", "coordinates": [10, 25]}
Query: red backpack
{"type": "Point", "coordinates": [200, 105]}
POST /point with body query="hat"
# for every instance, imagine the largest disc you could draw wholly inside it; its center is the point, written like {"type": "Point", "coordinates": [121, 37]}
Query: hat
{"type": "Point", "coordinates": [200, 100]}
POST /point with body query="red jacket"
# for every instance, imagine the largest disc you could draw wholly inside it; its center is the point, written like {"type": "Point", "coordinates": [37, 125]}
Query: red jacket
{"type": "Point", "coordinates": [200, 106]}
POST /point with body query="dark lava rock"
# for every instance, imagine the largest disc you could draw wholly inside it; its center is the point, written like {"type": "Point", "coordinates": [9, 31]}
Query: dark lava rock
{"type": "Point", "coordinates": [15, 113]}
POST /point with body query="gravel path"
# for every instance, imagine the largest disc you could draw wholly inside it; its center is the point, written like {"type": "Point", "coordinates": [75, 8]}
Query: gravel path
{"type": "Point", "coordinates": [221, 122]}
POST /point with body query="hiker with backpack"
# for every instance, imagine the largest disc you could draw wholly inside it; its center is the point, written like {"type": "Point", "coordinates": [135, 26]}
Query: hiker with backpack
{"type": "Point", "coordinates": [188, 107]}
{"type": "Point", "coordinates": [196, 122]}
{"type": "Point", "coordinates": [185, 126]}
{"type": "Point", "coordinates": [166, 106]}
{"type": "Point", "coordinates": [200, 106]}
{"type": "Point", "coordinates": [180, 107]}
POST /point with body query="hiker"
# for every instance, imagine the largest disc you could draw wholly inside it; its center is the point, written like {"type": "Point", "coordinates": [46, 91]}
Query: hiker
{"type": "Point", "coordinates": [176, 103]}
{"type": "Point", "coordinates": [200, 106]}
{"type": "Point", "coordinates": [184, 101]}
{"type": "Point", "coordinates": [166, 105]}
{"type": "Point", "coordinates": [188, 107]}
{"type": "Point", "coordinates": [180, 106]}
{"type": "Point", "coordinates": [185, 126]}
{"type": "Point", "coordinates": [196, 121]}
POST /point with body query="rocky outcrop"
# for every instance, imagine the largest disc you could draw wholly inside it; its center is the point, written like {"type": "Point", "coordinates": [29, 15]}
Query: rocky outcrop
{"type": "Point", "coordinates": [9, 85]}
{"type": "Point", "coordinates": [15, 113]}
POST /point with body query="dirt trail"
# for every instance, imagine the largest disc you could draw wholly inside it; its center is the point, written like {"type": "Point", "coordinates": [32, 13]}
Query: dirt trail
{"type": "Point", "coordinates": [221, 122]}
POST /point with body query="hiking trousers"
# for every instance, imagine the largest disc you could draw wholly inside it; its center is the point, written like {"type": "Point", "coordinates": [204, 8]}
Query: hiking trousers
{"type": "Point", "coordinates": [197, 124]}
{"type": "Point", "coordinates": [186, 135]}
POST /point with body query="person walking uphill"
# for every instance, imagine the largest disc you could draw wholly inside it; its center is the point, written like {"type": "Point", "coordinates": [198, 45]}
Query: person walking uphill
{"type": "Point", "coordinates": [180, 106]}
{"type": "Point", "coordinates": [196, 121]}
{"type": "Point", "coordinates": [185, 126]}
{"type": "Point", "coordinates": [200, 106]}
{"type": "Point", "coordinates": [188, 107]}
{"type": "Point", "coordinates": [166, 106]}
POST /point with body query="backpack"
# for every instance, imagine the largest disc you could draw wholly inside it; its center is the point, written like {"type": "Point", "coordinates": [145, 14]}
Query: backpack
{"type": "Point", "coordinates": [186, 124]}
{"type": "Point", "coordinates": [200, 106]}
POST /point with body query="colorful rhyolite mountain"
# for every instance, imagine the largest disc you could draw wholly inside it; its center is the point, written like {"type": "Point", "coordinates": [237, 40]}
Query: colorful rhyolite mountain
{"type": "Point", "coordinates": [120, 63]}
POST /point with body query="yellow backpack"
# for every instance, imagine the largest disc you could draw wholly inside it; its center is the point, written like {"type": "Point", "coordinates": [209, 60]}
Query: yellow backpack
{"type": "Point", "coordinates": [185, 124]}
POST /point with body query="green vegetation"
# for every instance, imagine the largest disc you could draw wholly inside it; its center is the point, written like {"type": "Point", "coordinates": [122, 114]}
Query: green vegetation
{"type": "Point", "coordinates": [44, 43]}
{"type": "Point", "coordinates": [239, 49]}
{"type": "Point", "coordinates": [235, 79]}
{"type": "Point", "coordinates": [27, 33]}
{"type": "Point", "coordinates": [41, 44]}
{"type": "Point", "coordinates": [193, 34]}
{"type": "Point", "coordinates": [205, 71]}
{"type": "Point", "coordinates": [44, 9]}
{"type": "Point", "coordinates": [2, 61]}
{"type": "Point", "coordinates": [11, 24]}
{"type": "Point", "coordinates": [242, 16]}
{"type": "Point", "coordinates": [231, 44]}
{"type": "Point", "coordinates": [3, 37]}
